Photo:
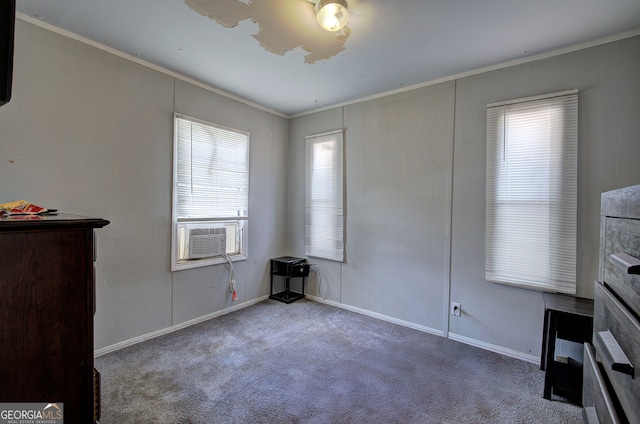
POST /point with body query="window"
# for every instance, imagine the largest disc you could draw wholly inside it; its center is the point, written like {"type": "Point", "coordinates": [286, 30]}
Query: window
{"type": "Point", "coordinates": [324, 199]}
{"type": "Point", "coordinates": [531, 200]}
{"type": "Point", "coordinates": [210, 193]}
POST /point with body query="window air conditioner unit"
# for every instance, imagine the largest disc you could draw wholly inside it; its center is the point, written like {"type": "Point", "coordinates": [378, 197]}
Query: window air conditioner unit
{"type": "Point", "coordinates": [207, 242]}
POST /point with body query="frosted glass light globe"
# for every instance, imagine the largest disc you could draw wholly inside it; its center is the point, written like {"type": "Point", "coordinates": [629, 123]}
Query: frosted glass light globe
{"type": "Point", "coordinates": [332, 15]}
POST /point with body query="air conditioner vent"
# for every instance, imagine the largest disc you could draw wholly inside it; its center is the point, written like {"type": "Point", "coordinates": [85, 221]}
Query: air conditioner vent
{"type": "Point", "coordinates": [207, 242]}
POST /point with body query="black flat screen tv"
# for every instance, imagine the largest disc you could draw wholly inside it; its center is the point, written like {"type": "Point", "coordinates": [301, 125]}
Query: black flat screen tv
{"type": "Point", "coordinates": [7, 30]}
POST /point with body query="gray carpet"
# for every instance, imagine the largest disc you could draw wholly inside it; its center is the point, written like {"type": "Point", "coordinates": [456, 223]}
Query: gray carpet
{"type": "Point", "coordinates": [308, 362]}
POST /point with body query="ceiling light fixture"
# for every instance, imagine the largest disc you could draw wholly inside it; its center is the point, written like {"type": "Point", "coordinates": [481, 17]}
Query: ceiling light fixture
{"type": "Point", "coordinates": [332, 15]}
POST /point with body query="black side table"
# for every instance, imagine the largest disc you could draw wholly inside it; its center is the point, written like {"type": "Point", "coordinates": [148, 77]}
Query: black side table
{"type": "Point", "coordinates": [288, 267]}
{"type": "Point", "coordinates": [568, 318]}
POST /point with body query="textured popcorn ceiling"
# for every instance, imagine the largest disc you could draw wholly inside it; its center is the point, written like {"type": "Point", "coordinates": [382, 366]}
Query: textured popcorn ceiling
{"type": "Point", "coordinates": [281, 23]}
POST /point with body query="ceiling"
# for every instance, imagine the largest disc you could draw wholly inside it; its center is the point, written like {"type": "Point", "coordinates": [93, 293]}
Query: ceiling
{"type": "Point", "coordinates": [277, 57]}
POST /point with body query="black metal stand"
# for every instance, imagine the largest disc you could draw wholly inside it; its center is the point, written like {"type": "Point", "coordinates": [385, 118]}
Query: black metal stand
{"type": "Point", "coordinates": [288, 267]}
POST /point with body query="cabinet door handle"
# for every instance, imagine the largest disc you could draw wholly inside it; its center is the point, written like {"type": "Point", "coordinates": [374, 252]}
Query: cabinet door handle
{"type": "Point", "coordinates": [630, 264]}
{"type": "Point", "coordinates": [614, 354]}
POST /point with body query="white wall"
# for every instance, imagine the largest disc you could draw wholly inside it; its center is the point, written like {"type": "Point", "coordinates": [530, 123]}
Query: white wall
{"type": "Point", "coordinates": [403, 151]}
{"type": "Point", "coordinates": [398, 156]}
{"type": "Point", "coordinates": [90, 133]}
{"type": "Point", "coordinates": [609, 149]}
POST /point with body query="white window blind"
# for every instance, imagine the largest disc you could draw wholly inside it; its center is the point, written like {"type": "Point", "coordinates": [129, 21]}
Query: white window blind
{"type": "Point", "coordinates": [324, 196]}
{"type": "Point", "coordinates": [211, 188]}
{"type": "Point", "coordinates": [213, 171]}
{"type": "Point", "coordinates": [531, 199]}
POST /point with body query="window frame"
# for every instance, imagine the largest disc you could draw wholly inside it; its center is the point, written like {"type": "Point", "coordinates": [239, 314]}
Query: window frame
{"type": "Point", "coordinates": [332, 247]}
{"type": "Point", "coordinates": [242, 222]}
{"type": "Point", "coordinates": [559, 242]}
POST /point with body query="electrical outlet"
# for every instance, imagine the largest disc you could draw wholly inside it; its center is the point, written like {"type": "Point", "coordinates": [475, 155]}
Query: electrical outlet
{"type": "Point", "coordinates": [455, 309]}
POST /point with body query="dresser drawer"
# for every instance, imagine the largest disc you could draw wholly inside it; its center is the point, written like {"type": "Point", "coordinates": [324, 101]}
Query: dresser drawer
{"type": "Point", "coordinates": [621, 249]}
{"type": "Point", "coordinates": [594, 390]}
{"type": "Point", "coordinates": [616, 338]}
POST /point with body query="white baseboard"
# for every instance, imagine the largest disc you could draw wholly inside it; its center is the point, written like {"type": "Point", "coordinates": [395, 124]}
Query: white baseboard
{"type": "Point", "coordinates": [455, 337]}
{"type": "Point", "coordinates": [495, 348]}
{"type": "Point", "coordinates": [376, 315]}
{"type": "Point", "coordinates": [176, 327]}
{"type": "Point", "coordinates": [462, 339]}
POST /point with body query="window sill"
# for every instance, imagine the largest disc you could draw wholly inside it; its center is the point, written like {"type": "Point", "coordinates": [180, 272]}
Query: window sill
{"type": "Point", "coordinates": [536, 287]}
{"type": "Point", "coordinates": [197, 263]}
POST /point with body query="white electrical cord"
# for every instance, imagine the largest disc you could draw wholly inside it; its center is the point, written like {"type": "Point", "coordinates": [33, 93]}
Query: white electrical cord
{"type": "Point", "coordinates": [232, 278]}
{"type": "Point", "coordinates": [317, 271]}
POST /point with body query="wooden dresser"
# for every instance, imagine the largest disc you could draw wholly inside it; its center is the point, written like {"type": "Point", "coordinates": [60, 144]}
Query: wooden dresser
{"type": "Point", "coordinates": [611, 389]}
{"type": "Point", "coordinates": [47, 303]}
